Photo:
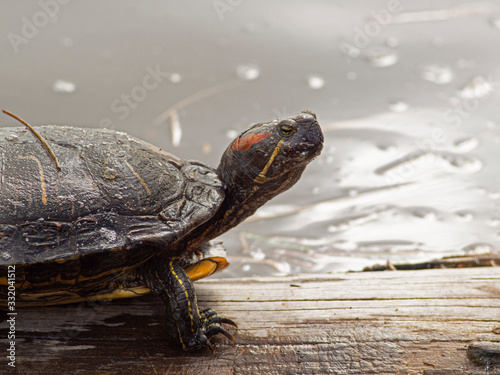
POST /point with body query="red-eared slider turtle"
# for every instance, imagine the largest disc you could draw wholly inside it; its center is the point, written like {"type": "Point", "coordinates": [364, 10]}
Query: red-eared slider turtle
{"type": "Point", "coordinates": [117, 217]}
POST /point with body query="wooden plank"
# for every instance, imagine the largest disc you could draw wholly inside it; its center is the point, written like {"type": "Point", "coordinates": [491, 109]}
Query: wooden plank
{"type": "Point", "coordinates": [404, 322]}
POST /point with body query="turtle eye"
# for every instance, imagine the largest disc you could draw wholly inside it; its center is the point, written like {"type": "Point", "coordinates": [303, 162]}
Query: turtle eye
{"type": "Point", "coordinates": [286, 129]}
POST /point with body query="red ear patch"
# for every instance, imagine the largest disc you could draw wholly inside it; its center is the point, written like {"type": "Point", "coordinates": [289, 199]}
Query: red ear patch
{"type": "Point", "coordinates": [244, 143]}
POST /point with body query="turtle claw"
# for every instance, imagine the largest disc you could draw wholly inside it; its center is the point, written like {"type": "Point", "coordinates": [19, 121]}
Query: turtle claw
{"type": "Point", "coordinates": [229, 321]}
{"type": "Point", "coordinates": [209, 346]}
{"type": "Point", "coordinates": [211, 326]}
{"type": "Point", "coordinates": [215, 329]}
{"type": "Point", "coordinates": [225, 332]}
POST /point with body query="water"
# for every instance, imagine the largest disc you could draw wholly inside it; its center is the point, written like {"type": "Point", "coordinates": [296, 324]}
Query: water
{"type": "Point", "coordinates": [408, 102]}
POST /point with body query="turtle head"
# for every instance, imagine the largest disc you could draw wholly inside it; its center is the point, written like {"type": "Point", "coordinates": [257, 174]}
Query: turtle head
{"type": "Point", "coordinates": [268, 159]}
{"type": "Point", "coordinates": [262, 162]}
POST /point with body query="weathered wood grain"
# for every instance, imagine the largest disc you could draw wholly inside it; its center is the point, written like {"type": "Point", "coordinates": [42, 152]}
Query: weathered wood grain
{"type": "Point", "coordinates": [405, 322]}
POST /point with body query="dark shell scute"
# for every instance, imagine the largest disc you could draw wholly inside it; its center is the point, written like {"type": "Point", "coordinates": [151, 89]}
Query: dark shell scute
{"type": "Point", "coordinates": [200, 173]}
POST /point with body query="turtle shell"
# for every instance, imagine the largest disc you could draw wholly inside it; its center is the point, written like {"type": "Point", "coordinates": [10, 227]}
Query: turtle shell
{"type": "Point", "coordinates": [115, 202]}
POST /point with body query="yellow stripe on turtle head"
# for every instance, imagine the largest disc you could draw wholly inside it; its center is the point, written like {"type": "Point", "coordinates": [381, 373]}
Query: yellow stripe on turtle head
{"type": "Point", "coordinates": [262, 175]}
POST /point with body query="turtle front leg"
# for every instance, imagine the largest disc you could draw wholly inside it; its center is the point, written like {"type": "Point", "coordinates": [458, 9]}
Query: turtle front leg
{"type": "Point", "coordinates": [185, 321]}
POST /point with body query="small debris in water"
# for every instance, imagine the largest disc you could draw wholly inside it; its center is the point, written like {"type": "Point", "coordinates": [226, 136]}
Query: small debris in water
{"type": "Point", "coordinates": [386, 147]}
{"type": "Point", "coordinates": [63, 86]}
{"type": "Point", "coordinates": [465, 215]}
{"type": "Point", "coordinates": [461, 163]}
{"type": "Point", "coordinates": [231, 134]}
{"type": "Point", "coordinates": [478, 88]}
{"type": "Point", "coordinates": [439, 74]}
{"type": "Point", "coordinates": [315, 82]}
{"type": "Point", "coordinates": [257, 254]}
{"type": "Point", "coordinates": [248, 72]}
{"type": "Point", "coordinates": [175, 78]}
{"type": "Point", "coordinates": [398, 106]}
{"type": "Point", "coordinates": [466, 144]}
{"type": "Point", "coordinates": [424, 213]}
{"type": "Point", "coordinates": [206, 148]}
{"type": "Point", "coordinates": [382, 57]}
{"type": "Point", "coordinates": [175, 128]}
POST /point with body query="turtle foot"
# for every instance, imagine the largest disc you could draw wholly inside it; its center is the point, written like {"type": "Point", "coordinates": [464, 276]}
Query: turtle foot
{"type": "Point", "coordinates": [210, 325]}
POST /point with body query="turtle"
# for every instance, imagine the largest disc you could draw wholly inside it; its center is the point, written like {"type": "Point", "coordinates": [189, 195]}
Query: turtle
{"type": "Point", "coordinates": [96, 214]}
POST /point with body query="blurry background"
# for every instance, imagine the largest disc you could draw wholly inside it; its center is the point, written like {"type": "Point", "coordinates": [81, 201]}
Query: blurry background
{"type": "Point", "coordinates": [406, 92]}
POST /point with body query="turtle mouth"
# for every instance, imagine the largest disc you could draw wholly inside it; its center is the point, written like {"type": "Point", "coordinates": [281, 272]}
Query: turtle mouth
{"type": "Point", "coordinates": [310, 142]}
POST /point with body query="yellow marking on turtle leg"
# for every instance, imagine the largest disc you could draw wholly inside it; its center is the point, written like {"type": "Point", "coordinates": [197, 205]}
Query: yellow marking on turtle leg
{"type": "Point", "coordinates": [262, 175]}
{"type": "Point", "coordinates": [42, 176]}
{"type": "Point", "coordinates": [186, 294]}
{"type": "Point", "coordinates": [138, 177]}
{"type": "Point", "coordinates": [44, 142]}
{"type": "Point", "coordinates": [160, 280]}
